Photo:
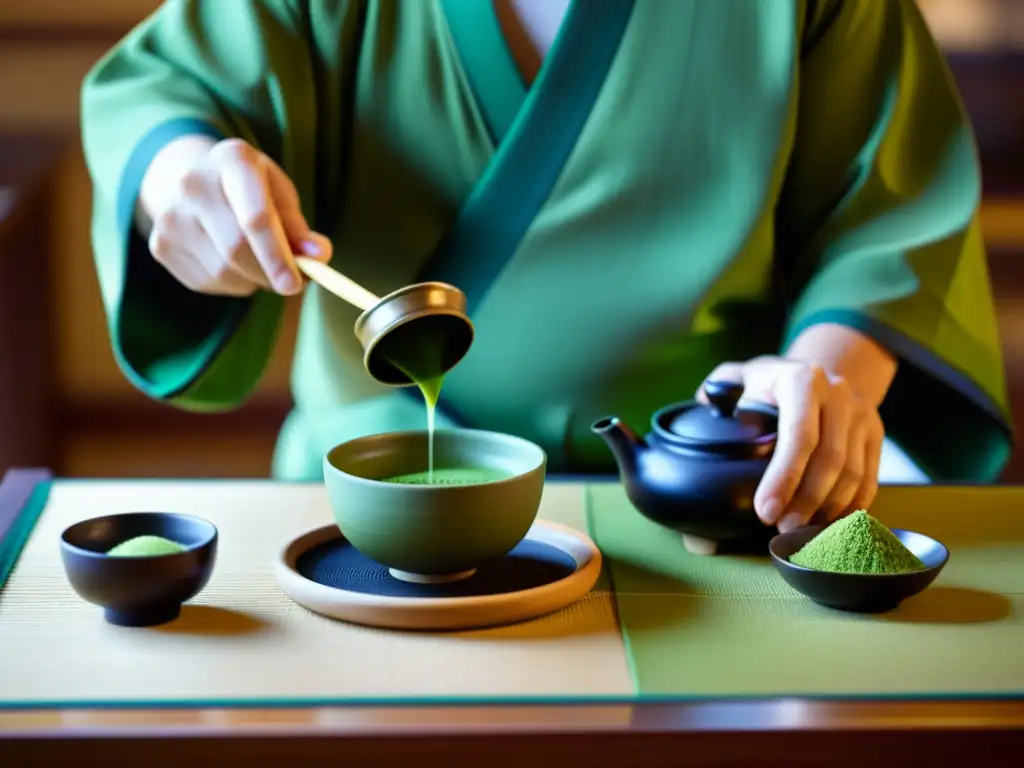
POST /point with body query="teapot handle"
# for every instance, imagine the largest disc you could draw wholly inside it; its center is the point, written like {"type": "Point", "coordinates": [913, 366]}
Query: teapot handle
{"type": "Point", "coordinates": [723, 396]}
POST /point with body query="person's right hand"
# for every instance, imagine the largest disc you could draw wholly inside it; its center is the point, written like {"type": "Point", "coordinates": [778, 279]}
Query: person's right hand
{"type": "Point", "coordinates": [233, 224]}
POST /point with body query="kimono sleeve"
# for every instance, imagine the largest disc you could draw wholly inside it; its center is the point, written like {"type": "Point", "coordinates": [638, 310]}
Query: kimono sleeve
{"type": "Point", "coordinates": [879, 231]}
{"type": "Point", "coordinates": [238, 68]}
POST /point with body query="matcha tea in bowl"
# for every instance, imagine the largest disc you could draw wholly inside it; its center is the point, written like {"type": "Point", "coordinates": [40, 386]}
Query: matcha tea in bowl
{"type": "Point", "coordinates": [437, 529]}
{"type": "Point", "coordinates": [478, 502]}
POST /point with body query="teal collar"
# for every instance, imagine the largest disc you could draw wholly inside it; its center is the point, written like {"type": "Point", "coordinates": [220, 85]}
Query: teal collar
{"type": "Point", "coordinates": [534, 139]}
{"type": "Point", "coordinates": [534, 130]}
{"type": "Point", "coordinates": [492, 72]}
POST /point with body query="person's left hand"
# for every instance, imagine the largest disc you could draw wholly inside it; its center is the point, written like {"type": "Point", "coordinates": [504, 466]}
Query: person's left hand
{"type": "Point", "coordinates": [829, 444]}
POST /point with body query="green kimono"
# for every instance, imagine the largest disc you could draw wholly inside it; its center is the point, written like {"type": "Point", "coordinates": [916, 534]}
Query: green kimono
{"type": "Point", "coordinates": [686, 182]}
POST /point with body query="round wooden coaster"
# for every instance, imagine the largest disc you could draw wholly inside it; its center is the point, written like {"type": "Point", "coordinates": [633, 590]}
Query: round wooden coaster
{"type": "Point", "coordinates": [551, 568]}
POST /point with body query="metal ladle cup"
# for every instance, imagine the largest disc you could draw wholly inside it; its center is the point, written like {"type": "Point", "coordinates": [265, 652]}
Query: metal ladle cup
{"type": "Point", "coordinates": [420, 331]}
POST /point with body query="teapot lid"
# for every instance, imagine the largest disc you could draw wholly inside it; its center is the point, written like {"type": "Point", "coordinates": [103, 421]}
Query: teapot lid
{"type": "Point", "coordinates": [722, 424]}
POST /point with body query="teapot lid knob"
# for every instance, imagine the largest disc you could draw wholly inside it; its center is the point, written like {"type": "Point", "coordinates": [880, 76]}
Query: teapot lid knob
{"type": "Point", "coordinates": [723, 427]}
{"type": "Point", "coordinates": [724, 396]}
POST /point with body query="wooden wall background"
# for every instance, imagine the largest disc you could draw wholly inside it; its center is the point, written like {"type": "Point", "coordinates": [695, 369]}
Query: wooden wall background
{"type": "Point", "coordinates": [63, 401]}
{"type": "Point", "coordinates": [100, 426]}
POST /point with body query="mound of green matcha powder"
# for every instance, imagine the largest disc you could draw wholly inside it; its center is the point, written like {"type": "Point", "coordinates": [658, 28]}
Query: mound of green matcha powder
{"type": "Point", "coordinates": [145, 546]}
{"type": "Point", "coordinates": [857, 543]}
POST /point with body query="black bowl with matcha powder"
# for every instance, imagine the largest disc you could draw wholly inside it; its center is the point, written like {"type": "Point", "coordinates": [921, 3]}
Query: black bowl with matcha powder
{"type": "Point", "coordinates": [857, 564]}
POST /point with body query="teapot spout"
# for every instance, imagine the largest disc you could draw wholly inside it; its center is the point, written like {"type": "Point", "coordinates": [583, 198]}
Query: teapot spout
{"type": "Point", "coordinates": [624, 443]}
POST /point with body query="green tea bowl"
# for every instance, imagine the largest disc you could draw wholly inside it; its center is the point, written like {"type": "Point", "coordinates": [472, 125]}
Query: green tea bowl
{"type": "Point", "coordinates": [434, 533]}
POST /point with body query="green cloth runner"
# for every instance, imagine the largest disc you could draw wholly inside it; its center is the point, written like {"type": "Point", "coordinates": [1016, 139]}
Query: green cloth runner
{"type": "Point", "coordinates": [721, 626]}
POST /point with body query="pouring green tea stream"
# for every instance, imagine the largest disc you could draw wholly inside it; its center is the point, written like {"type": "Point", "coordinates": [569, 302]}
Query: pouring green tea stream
{"type": "Point", "coordinates": [421, 365]}
{"type": "Point", "coordinates": [421, 357]}
{"type": "Point", "coordinates": [414, 335]}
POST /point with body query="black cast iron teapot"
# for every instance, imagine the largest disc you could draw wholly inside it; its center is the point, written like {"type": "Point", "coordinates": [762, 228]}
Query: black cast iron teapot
{"type": "Point", "coordinates": [698, 468]}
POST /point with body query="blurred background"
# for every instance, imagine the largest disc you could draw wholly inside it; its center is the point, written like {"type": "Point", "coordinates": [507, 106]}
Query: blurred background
{"type": "Point", "coordinates": [63, 402]}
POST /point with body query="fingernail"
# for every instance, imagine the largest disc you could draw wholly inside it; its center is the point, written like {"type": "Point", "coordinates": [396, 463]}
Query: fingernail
{"type": "Point", "coordinates": [790, 522]}
{"type": "Point", "coordinates": [287, 282]}
{"type": "Point", "coordinates": [770, 511]}
{"type": "Point", "coordinates": [317, 246]}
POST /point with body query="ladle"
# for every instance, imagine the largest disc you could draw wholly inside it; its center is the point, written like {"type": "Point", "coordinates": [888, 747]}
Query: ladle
{"type": "Point", "coordinates": [419, 332]}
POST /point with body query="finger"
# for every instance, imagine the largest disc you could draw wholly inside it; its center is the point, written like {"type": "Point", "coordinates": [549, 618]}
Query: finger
{"type": "Point", "coordinates": [282, 190]}
{"type": "Point", "coordinates": [232, 248]}
{"type": "Point", "coordinates": [173, 242]}
{"type": "Point", "coordinates": [247, 192]}
{"type": "Point", "coordinates": [220, 225]}
{"type": "Point", "coordinates": [203, 198]}
{"type": "Point", "coordinates": [303, 241]}
{"type": "Point", "coordinates": [798, 397]}
{"type": "Point", "coordinates": [181, 266]}
{"type": "Point", "coordinates": [317, 246]}
{"type": "Point", "coordinates": [826, 463]}
{"type": "Point", "coordinates": [192, 273]}
{"type": "Point", "coordinates": [208, 249]}
{"type": "Point", "coordinates": [849, 480]}
{"type": "Point", "coordinates": [285, 199]}
{"type": "Point", "coordinates": [761, 373]}
{"type": "Point", "coordinates": [725, 372]}
{"type": "Point", "coordinates": [865, 494]}
{"type": "Point", "coordinates": [221, 276]}
{"type": "Point", "coordinates": [301, 237]}
{"type": "Point", "coordinates": [230, 283]}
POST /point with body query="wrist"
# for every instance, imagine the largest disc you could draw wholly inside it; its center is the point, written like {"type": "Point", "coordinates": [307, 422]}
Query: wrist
{"type": "Point", "coordinates": [867, 366]}
{"type": "Point", "coordinates": [162, 181]}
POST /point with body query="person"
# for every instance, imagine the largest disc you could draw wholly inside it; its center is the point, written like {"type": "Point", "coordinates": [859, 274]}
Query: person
{"type": "Point", "coordinates": [633, 194]}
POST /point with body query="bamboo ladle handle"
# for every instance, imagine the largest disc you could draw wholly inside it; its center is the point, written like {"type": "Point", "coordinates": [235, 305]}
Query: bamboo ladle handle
{"type": "Point", "coordinates": [332, 280]}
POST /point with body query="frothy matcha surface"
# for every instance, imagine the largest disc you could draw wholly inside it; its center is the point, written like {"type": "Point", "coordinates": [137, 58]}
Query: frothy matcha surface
{"type": "Point", "coordinates": [858, 543]}
{"type": "Point", "coordinates": [146, 546]}
{"type": "Point", "coordinates": [452, 476]}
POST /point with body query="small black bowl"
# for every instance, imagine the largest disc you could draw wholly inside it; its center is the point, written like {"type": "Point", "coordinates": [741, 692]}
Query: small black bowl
{"type": "Point", "coordinates": [856, 592]}
{"type": "Point", "coordinates": [139, 591]}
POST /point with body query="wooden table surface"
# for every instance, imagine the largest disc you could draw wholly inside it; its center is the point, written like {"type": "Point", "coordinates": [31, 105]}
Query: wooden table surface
{"type": "Point", "coordinates": [790, 732]}
{"type": "Point", "coordinates": [768, 733]}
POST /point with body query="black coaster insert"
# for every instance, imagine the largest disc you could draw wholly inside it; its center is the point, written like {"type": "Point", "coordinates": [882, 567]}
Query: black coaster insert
{"type": "Point", "coordinates": [336, 563]}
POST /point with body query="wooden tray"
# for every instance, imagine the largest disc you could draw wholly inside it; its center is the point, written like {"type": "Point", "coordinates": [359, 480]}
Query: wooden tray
{"type": "Point", "coordinates": [552, 568]}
